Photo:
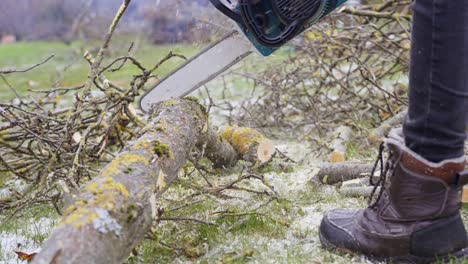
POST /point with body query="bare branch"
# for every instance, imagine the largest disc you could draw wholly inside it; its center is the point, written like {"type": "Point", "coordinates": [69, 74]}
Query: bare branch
{"type": "Point", "coordinates": [8, 71]}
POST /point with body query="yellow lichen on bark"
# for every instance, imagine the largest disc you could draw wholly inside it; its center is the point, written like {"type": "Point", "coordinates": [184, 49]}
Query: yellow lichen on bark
{"type": "Point", "coordinates": [141, 144]}
{"type": "Point", "coordinates": [170, 102]}
{"type": "Point", "coordinates": [336, 157]}
{"type": "Point", "coordinates": [144, 145]}
{"type": "Point", "coordinates": [241, 138]}
{"type": "Point", "coordinates": [79, 217]}
{"type": "Point", "coordinates": [225, 132]}
{"type": "Point", "coordinates": [122, 162]}
{"type": "Point", "coordinates": [107, 185]}
{"type": "Point", "coordinates": [105, 193]}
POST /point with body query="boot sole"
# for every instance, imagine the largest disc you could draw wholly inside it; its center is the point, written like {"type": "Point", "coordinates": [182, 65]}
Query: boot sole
{"type": "Point", "coordinates": [461, 254]}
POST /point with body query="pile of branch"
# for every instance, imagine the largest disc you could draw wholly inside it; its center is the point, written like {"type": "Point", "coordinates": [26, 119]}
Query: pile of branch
{"type": "Point", "coordinates": [58, 138]}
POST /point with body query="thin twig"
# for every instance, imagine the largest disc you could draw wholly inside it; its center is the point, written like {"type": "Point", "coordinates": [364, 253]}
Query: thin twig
{"type": "Point", "coordinates": [8, 71]}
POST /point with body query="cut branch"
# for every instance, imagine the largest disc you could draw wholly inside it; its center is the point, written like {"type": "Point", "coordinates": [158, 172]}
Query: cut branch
{"type": "Point", "coordinates": [250, 144]}
{"type": "Point", "coordinates": [332, 173]}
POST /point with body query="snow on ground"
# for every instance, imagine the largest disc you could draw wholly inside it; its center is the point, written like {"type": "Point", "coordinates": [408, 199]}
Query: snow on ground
{"type": "Point", "coordinates": [25, 239]}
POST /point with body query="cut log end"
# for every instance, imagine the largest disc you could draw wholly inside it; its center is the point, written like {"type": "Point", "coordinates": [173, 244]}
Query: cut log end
{"type": "Point", "coordinates": [336, 157]}
{"type": "Point", "coordinates": [265, 151]}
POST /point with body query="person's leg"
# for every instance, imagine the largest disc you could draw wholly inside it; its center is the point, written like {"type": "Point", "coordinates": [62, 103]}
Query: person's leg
{"type": "Point", "coordinates": [438, 110]}
{"type": "Point", "coordinates": [416, 216]}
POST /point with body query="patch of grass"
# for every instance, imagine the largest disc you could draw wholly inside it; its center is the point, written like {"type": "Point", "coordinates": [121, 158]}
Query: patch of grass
{"type": "Point", "coordinates": [352, 149]}
{"type": "Point", "coordinates": [206, 234]}
{"type": "Point", "coordinates": [256, 224]}
{"type": "Point", "coordinates": [150, 252]}
{"type": "Point", "coordinates": [37, 235]}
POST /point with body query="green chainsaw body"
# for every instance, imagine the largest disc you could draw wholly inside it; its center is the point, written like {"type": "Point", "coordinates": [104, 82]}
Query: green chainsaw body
{"type": "Point", "coordinates": [269, 24]}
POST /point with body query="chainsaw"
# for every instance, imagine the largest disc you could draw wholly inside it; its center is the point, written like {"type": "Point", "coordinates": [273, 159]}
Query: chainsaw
{"type": "Point", "coordinates": [262, 26]}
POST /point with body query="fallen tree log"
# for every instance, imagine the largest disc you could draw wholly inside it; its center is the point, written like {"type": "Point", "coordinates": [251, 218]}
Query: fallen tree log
{"type": "Point", "coordinates": [332, 173]}
{"type": "Point", "coordinates": [116, 209]}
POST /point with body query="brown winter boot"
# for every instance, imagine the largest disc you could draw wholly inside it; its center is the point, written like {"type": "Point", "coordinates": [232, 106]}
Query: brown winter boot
{"type": "Point", "coordinates": [415, 216]}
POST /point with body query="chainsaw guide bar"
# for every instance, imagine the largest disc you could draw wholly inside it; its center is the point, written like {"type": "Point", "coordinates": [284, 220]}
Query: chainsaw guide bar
{"type": "Point", "coordinates": [199, 70]}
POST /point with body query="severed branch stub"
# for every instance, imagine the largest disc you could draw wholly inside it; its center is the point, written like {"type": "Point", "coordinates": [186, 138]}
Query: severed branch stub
{"type": "Point", "coordinates": [250, 144]}
{"type": "Point", "coordinates": [115, 210]}
{"type": "Point", "coordinates": [218, 150]}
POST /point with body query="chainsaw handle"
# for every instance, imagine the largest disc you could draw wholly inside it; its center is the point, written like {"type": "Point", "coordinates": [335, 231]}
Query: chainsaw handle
{"type": "Point", "coordinates": [224, 7]}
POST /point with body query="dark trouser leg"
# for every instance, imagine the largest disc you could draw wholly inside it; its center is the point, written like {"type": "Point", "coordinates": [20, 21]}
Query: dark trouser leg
{"type": "Point", "coordinates": [438, 110]}
{"type": "Point", "coordinates": [415, 218]}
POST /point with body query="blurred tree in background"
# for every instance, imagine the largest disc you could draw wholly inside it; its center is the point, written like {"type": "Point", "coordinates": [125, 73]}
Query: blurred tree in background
{"type": "Point", "coordinates": [162, 21]}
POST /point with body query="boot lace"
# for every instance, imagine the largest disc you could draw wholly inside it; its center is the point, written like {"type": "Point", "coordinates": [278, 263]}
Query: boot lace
{"type": "Point", "coordinates": [384, 167]}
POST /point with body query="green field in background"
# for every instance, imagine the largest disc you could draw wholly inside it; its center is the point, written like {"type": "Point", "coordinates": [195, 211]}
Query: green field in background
{"type": "Point", "coordinates": [69, 68]}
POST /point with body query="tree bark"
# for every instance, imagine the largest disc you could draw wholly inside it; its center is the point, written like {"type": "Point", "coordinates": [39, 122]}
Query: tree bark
{"type": "Point", "coordinates": [115, 210]}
